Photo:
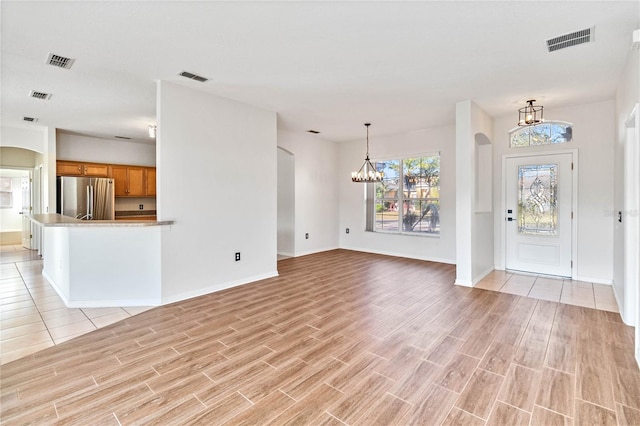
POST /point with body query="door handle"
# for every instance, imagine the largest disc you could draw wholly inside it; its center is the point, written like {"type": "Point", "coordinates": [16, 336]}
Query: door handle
{"type": "Point", "coordinates": [510, 219]}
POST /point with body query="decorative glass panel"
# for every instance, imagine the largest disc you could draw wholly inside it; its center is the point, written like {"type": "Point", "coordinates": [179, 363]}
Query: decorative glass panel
{"type": "Point", "coordinates": [546, 133]}
{"type": "Point", "coordinates": [537, 207]}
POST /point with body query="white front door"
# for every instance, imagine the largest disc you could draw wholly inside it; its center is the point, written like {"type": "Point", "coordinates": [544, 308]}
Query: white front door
{"type": "Point", "coordinates": [539, 214]}
{"type": "Point", "coordinates": [26, 211]}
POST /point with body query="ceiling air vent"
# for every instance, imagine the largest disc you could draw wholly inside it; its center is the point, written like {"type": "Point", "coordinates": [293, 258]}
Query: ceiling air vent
{"type": "Point", "coordinates": [30, 119]}
{"type": "Point", "coordinates": [315, 132]}
{"type": "Point", "coordinates": [39, 95]}
{"type": "Point", "coordinates": [60, 61]}
{"type": "Point", "coordinates": [122, 137]}
{"type": "Point", "coordinates": [193, 76]}
{"type": "Point", "coordinates": [571, 39]}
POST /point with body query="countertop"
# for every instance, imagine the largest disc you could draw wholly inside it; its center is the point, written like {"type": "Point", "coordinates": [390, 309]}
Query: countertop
{"type": "Point", "coordinates": [53, 219]}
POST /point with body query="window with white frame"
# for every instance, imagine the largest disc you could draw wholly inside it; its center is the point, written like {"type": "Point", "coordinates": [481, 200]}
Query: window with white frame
{"type": "Point", "coordinates": [547, 133]}
{"type": "Point", "coordinates": [408, 198]}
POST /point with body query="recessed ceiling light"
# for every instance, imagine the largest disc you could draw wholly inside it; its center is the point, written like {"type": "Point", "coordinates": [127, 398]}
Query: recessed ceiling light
{"type": "Point", "coordinates": [59, 61]}
{"type": "Point", "coordinates": [193, 76]}
{"type": "Point", "coordinates": [30, 119]}
{"type": "Point", "coordinates": [39, 95]}
{"type": "Point", "coordinates": [315, 132]}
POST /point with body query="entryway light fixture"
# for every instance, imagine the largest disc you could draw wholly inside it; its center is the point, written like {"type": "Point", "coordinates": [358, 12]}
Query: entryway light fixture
{"type": "Point", "coordinates": [152, 130]}
{"type": "Point", "coordinates": [530, 115]}
{"type": "Point", "coordinates": [367, 172]}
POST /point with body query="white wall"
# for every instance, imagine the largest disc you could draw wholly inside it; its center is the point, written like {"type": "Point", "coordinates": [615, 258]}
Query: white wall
{"type": "Point", "coordinates": [352, 201]}
{"type": "Point", "coordinates": [217, 178]}
{"type": "Point", "coordinates": [41, 140]}
{"type": "Point", "coordinates": [593, 135]}
{"type": "Point", "coordinates": [286, 202]}
{"type": "Point", "coordinates": [32, 139]}
{"type": "Point", "coordinates": [316, 191]}
{"type": "Point", "coordinates": [87, 148]}
{"type": "Point", "coordinates": [627, 97]}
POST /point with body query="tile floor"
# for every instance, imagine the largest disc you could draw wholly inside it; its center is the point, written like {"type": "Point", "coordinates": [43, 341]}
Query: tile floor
{"type": "Point", "coordinates": [32, 315]}
{"type": "Point", "coordinates": [588, 295]}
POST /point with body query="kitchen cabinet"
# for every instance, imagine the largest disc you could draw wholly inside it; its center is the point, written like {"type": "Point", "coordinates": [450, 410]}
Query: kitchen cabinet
{"type": "Point", "coordinates": [151, 182]}
{"type": "Point", "coordinates": [130, 181]}
{"type": "Point", "coordinates": [74, 168]}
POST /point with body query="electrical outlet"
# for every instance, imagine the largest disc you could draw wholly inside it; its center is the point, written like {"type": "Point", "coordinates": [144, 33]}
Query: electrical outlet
{"type": "Point", "coordinates": [306, 236]}
{"type": "Point", "coordinates": [237, 256]}
{"type": "Point", "coordinates": [141, 207]}
{"type": "Point", "coordinates": [347, 230]}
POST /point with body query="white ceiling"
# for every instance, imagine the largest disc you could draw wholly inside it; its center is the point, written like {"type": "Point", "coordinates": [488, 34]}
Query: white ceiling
{"type": "Point", "coordinates": [329, 66]}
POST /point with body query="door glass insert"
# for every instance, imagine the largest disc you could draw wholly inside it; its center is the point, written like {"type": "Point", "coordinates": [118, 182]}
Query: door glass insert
{"type": "Point", "coordinates": [537, 199]}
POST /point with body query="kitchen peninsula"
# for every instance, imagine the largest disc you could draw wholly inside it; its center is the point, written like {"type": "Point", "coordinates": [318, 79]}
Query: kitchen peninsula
{"type": "Point", "coordinates": [102, 263]}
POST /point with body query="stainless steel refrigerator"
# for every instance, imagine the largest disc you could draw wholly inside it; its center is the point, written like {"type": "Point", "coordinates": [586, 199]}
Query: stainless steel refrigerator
{"type": "Point", "coordinates": [86, 198]}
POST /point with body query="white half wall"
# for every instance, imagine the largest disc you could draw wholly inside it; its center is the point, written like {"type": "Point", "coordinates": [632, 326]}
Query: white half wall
{"type": "Point", "coordinates": [316, 191]}
{"type": "Point", "coordinates": [593, 136]}
{"type": "Point", "coordinates": [98, 150]}
{"type": "Point", "coordinates": [474, 219]}
{"type": "Point", "coordinates": [352, 195]}
{"type": "Point", "coordinates": [217, 178]}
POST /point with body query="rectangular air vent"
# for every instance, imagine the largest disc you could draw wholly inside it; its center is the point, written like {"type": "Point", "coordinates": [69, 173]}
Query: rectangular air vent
{"type": "Point", "coordinates": [571, 39]}
{"type": "Point", "coordinates": [315, 132]}
{"type": "Point", "coordinates": [39, 95]}
{"type": "Point", "coordinates": [193, 76]}
{"type": "Point", "coordinates": [59, 61]}
{"type": "Point", "coordinates": [30, 119]}
{"type": "Point", "coordinates": [122, 137]}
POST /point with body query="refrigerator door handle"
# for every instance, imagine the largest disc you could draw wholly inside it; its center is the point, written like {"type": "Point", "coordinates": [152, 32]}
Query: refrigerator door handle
{"type": "Point", "coordinates": [91, 202]}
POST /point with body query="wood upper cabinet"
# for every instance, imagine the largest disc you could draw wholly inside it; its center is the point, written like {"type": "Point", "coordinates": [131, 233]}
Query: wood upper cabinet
{"type": "Point", "coordinates": [151, 181]}
{"type": "Point", "coordinates": [129, 181]}
{"type": "Point", "coordinates": [99, 170]}
{"type": "Point", "coordinates": [74, 168]}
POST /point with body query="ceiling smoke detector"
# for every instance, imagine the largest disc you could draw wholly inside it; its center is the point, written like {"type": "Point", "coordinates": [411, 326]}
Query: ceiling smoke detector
{"type": "Point", "coordinates": [30, 119]}
{"type": "Point", "coordinates": [60, 61]}
{"type": "Point", "coordinates": [193, 76]}
{"type": "Point", "coordinates": [571, 39]}
{"type": "Point", "coordinates": [40, 95]}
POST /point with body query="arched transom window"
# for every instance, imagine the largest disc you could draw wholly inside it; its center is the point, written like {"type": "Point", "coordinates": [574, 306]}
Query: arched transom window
{"type": "Point", "coordinates": [547, 133]}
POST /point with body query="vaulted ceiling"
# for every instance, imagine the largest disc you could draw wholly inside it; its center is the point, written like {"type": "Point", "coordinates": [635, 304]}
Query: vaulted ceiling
{"type": "Point", "coordinates": [327, 66]}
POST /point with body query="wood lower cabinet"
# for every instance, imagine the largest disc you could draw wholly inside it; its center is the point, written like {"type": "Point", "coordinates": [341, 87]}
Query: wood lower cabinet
{"type": "Point", "coordinates": [74, 168]}
{"type": "Point", "coordinates": [129, 181]}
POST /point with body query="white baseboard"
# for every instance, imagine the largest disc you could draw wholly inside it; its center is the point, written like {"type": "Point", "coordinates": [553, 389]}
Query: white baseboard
{"type": "Point", "coordinates": [463, 283]}
{"type": "Point", "coordinates": [286, 253]}
{"type": "Point", "coordinates": [218, 287]}
{"type": "Point", "coordinates": [308, 252]}
{"type": "Point", "coordinates": [395, 254]}
{"type": "Point", "coordinates": [594, 280]}
{"type": "Point", "coordinates": [479, 278]}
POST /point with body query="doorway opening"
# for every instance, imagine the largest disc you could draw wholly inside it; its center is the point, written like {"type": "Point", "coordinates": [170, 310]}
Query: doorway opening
{"type": "Point", "coordinates": [286, 204]}
{"type": "Point", "coordinates": [15, 207]}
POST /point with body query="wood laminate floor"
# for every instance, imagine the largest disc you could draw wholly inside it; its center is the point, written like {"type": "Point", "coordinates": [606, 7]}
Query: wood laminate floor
{"type": "Point", "coordinates": [339, 337]}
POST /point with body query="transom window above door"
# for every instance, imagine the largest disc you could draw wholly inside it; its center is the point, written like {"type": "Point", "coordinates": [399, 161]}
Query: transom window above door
{"type": "Point", "coordinates": [547, 133]}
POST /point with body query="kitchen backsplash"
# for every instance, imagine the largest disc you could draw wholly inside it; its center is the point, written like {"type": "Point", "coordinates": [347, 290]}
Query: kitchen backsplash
{"type": "Point", "coordinates": [127, 203]}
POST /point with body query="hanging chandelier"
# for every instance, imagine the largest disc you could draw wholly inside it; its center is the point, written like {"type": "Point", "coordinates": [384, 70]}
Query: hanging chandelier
{"type": "Point", "coordinates": [367, 172]}
{"type": "Point", "coordinates": [530, 115]}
